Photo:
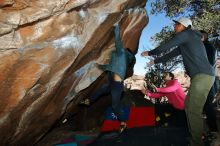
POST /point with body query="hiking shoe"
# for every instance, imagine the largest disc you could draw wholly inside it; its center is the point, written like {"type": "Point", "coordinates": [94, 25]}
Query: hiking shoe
{"type": "Point", "coordinates": [210, 138]}
{"type": "Point", "coordinates": [122, 128]}
{"type": "Point", "coordinates": [85, 102]}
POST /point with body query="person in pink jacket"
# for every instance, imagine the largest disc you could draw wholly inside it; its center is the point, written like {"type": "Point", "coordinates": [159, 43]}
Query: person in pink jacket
{"type": "Point", "coordinates": [175, 95]}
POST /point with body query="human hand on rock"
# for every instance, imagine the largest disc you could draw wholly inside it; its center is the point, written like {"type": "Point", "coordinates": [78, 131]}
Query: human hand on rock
{"type": "Point", "coordinates": [145, 53]}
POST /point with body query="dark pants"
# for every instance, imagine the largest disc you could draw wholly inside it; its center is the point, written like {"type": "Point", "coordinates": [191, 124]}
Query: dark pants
{"type": "Point", "coordinates": [210, 108]}
{"type": "Point", "coordinates": [178, 117]}
{"type": "Point", "coordinates": [115, 88]}
{"type": "Point", "coordinates": [216, 85]}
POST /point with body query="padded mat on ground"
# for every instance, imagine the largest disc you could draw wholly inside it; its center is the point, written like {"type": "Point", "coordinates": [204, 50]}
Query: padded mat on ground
{"type": "Point", "coordinates": [77, 140]}
{"type": "Point", "coordinates": [146, 136]}
{"type": "Point", "coordinates": [137, 117]}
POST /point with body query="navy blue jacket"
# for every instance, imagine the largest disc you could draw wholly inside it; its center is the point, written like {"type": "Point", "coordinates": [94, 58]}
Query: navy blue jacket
{"type": "Point", "coordinates": [211, 52]}
{"type": "Point", "coordinates": [190, 46]}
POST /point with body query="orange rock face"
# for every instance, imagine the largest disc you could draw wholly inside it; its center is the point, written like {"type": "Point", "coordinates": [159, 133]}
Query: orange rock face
{"type": "Point", "coordinates": [48, 52]}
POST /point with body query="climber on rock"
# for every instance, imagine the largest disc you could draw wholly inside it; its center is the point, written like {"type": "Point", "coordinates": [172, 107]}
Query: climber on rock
{"type": "Point", "coordinates": [116, 69]}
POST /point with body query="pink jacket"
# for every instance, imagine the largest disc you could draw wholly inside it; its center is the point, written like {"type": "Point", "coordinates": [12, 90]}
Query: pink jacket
{"type": "Point", "coordinates": [173, 91]}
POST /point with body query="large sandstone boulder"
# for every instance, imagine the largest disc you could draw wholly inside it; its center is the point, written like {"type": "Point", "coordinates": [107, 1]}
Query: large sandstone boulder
{"type": "Point", "coordinates": [48, 51]}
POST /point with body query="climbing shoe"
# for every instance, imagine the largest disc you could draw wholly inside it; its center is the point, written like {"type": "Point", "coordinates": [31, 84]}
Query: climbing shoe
{"type": "Point", "coordinates": [85, 102]}
{"type": "Point", "coordinates": [122, 128]}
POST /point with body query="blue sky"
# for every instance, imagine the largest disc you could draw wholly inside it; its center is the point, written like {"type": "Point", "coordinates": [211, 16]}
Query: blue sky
{"type": "Point", "coordinates": [156, 22]}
